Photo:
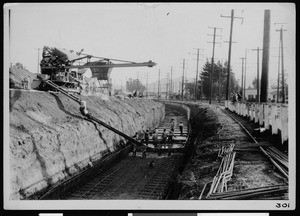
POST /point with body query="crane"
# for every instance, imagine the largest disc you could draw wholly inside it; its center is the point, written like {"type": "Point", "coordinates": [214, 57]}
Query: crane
{"type": "Point", "coordinates": [59, 66]}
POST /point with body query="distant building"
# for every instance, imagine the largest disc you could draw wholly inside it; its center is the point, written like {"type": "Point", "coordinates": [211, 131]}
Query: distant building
{"type": "Point", "coordinates": [251, 94]}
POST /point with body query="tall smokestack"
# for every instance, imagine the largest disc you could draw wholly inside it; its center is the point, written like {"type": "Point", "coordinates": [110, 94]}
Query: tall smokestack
{"type": "Point", "coordinates": [265, 58]}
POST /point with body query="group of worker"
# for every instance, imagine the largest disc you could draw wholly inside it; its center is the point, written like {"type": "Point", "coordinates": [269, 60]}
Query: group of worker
{"type": "Point", "coordinates": [236, 97]}
{"type": "Point", "coordinates": [25, 83]}
{"type": "Point", "coordinates": [166, 138]}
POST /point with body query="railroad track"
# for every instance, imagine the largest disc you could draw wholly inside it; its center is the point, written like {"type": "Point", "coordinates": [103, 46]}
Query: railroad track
{"type": "Point", "coordinates": [277, 158]}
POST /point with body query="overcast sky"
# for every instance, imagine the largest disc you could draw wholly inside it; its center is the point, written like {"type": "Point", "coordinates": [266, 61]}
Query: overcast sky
{"type": "Point", "coordinates": [162, 32]}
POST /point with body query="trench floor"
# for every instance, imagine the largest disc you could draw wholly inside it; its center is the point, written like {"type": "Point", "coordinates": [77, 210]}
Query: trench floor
{"type": "Point", "coordinates": [131, 178]}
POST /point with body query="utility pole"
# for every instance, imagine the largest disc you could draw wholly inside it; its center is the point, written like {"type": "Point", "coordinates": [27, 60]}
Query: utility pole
{"type": "Point", "coordinates": [278, 76]}
{"type": "Point", "coordinates": [147, 84]}
{"type": "Point", "coordinates": [282, 65]}
{"type": "Point", "coordinates": [168, 86]}
{"type": "Point", "coordinates": [196, 81]}
{"type": "Point", "coordinates": [229, 51]}
{"type": "Point", "coordinates": [171, 84]}
{"type": "Point", "coordinates": [197, 74]}
{"type": "Point", "coordinates": [212, 60]}
{"type": "Point", "coordinates": [265, 58]}
{"type": "Point", "coordinates": [182, 84]}
{"type": "Point", "coordinates": [242, 83]}
{"type": "Point", "coordinates": [279, 57]}
{"type": "Point", "coordinates": [257, 80]}
{"type": "Point", "coordinates": [244, 92]}
{"type": "Point", "coordinates": [158, 84]}
{"type": "Point", "coordinates": [219, 85]}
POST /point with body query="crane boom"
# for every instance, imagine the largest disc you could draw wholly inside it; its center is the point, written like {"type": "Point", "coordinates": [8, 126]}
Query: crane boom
{"type": "Point", "coordinates": [142, 64]}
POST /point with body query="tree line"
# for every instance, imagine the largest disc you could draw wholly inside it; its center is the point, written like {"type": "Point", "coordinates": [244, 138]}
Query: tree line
{"type": "Point", "coordinates": [219, 81]}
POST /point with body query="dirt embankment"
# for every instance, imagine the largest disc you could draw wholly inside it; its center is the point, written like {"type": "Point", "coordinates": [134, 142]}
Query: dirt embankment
{"type": "Point", "coordinates": [50, 140]}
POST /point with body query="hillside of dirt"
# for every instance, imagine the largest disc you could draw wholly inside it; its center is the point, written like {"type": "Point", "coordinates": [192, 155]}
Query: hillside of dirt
{"type": "Point", "coordinates": [51, 141]}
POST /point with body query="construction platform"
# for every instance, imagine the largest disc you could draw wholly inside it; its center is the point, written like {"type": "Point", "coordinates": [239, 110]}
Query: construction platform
{"type": "Point", "coordinates": [179, 140]}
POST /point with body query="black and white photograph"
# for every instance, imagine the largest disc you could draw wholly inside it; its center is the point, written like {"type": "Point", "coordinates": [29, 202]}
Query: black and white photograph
{"type": "Point", "coordinates": [149, 106]}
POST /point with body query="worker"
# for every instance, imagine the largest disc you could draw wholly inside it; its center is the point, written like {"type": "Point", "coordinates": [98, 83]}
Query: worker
{"type": "Point", "coordinates": [25, 83]}
{"type": "Point", "coordinates": [144, 153]}
{"type": "Point", "coordinates": [234, 97]}
{"type": "Point", "coordinates": [155, 139]}
{"type": "Point", "coordinates": [87, 88]}
{"type": "Point", "coordinates": [82, 108]}
{"type": "Point", "coordinates": [170, 136]}
{"type": "Point", "coordinates": [181, 128]}
{"type": "Point", "coordinates": [164, 136]}
{"type": "Point", "coordinates": [239, 97]}
{"type": "Point", "coordinates": [134, 150]}
{"type": "Point", "coordinates": [146, 137]}
{"type": "Point", "coordinates": [136, 136]}
{"type": "Point", "coordinates": [135, 93]}
{"type": "Point", "coordinates": [162, 141]}
{"type": "Point", "coordinates": [169, 152]}
{"type": "Point", "coordinates": [151, 164]}
{"type": "Point", "coordinates": [172, 124]}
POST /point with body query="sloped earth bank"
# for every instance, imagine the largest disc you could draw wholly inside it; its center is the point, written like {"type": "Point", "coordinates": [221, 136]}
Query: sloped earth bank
{"type": "Point", "coordinates": [212, 129]}
{"type": "Point", "coordinates": [51, 141]}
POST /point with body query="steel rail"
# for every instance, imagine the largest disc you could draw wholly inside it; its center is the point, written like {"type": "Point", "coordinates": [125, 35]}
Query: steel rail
{"type": "Point", "coordinates": [280, 168]}
{"type": "Point", "coordinates": [251, 194]}
{"type": "Point", "coordinates": [248, 190]}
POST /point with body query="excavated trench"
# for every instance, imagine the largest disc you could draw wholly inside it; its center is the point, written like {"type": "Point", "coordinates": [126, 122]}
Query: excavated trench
{"type": "Point", "coordinates": [54, 149]}
{"type": "Point", "coordinates": [130, 177]}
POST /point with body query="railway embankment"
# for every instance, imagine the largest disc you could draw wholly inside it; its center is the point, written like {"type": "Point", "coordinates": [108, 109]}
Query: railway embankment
{"type": "Point", "coordinates": [213, 131]}
{"type": "Point", "coordinates": [50, 141]}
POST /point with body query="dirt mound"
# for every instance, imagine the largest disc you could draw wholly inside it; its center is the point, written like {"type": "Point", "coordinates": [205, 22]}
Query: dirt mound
{"type": "Point", "coordinates": [51, 141]}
